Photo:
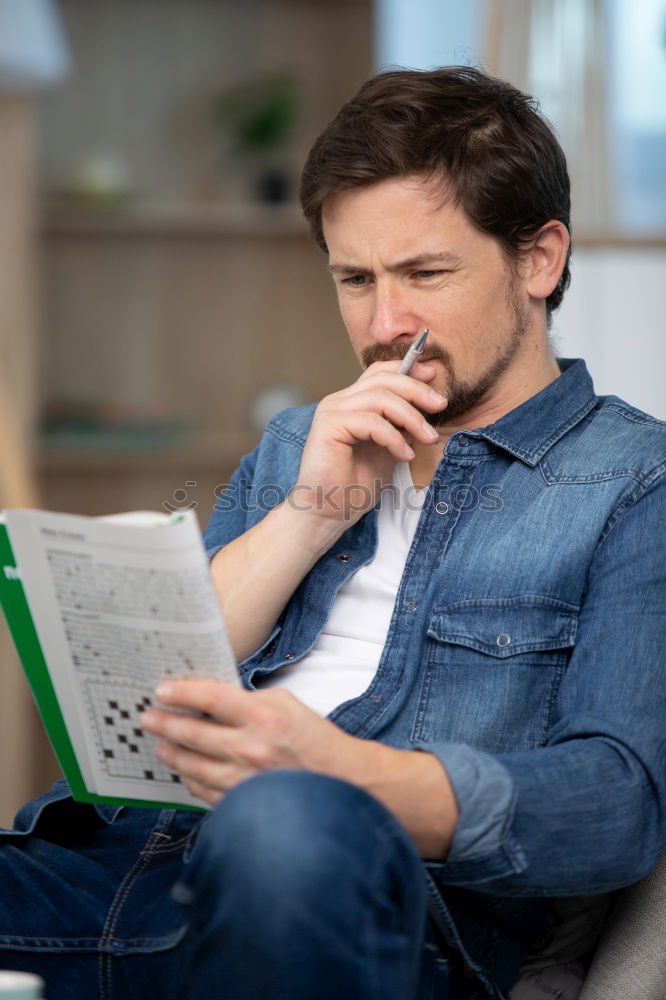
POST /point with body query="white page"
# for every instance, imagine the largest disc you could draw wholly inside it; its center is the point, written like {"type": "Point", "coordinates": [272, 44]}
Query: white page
{"type": "Point", "coordinates": [118, 608]}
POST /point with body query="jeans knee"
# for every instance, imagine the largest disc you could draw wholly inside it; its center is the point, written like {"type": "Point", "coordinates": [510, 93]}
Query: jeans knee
{"type": "Point", "coordinates": [277, 814]}
{"type": "Point", "coordinates": [285, 830]}
{"type": "Point", "coordinates": [318, 879]}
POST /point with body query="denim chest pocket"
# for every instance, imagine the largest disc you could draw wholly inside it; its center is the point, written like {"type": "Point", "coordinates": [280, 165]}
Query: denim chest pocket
{"type": "Point", "coordinates": [492, 669]}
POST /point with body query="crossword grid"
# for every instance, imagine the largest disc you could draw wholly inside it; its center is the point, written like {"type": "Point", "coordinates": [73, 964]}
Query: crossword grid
{"type": "Point", "coordinates": [125, 751]}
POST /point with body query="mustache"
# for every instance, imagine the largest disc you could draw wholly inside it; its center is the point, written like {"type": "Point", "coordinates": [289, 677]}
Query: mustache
{"type": "Point", "coordinates": [389, 352]}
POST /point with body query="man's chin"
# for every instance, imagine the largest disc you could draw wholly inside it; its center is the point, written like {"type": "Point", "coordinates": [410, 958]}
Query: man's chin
{"type": "Point", "coordinates": [459, 406]}
{"type": "Point", "coordinates": [438, 420]}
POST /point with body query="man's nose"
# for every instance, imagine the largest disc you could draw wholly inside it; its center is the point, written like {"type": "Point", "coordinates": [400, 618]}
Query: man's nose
{"type": "Point", "coordinates": [391, 316]}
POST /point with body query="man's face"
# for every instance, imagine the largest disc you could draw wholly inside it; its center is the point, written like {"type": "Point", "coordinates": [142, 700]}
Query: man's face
{"type": "Point", "coordinates": [402, 260]}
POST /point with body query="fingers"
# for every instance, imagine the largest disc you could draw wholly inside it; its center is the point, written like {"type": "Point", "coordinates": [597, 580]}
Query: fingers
{"type": "Point", "coordinates": [188, 731]}
{"type": "Point", "coordinates": [224, 702]}
{"type": "Point", "coordinates": [206, 777]}
{"type": "Point", "coordinates": [422, 370]}
{"type": "Point", "coordinates": [229, 708]}
{"type": "Point", "coordinates": [369, 426]}
{"type": "Point", "coordinates": [382, 409]}
{"type": "Point", "coordinates": [413, 387]}
{"type": "Point", "coordinates": [200, 791]}
{"type": "Point", "coordinates": [213, 756]}
{"type": "Point", "coordinates": [375, 411]}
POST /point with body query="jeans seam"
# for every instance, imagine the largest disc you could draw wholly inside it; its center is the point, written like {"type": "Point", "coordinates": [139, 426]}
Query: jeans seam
{"type": "Point", "coordinates": [158, 851]}
{"type": "Point", "coordinates": [112, 917]}
{"type": "Point", "coordinates": [71, 945]}
{"type": "Point", "coordinates": [106, 957]}
{"type": "Point", "coordinates": [31, 942]}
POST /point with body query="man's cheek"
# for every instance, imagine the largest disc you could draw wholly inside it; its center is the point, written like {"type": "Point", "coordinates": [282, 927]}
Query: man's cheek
{"type": "Point", "coordinates": [350, 316]}
{"type": "Point", "coordinates": [357, 332]}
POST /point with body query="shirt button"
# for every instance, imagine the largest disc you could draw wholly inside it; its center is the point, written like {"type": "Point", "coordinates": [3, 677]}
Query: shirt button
{"type": "Point", "coordinates": [409, 606]}
{"type": "Point", "coordinates": [289, 656]}
{"type": "Point", "coordinates": [343, 557]}
{"type": "Point", "coordinates": [503, 639]}
{"type": "Point", "coordinates": [463, 441]}
{"type": "Point", "coordinates": [441, 507]}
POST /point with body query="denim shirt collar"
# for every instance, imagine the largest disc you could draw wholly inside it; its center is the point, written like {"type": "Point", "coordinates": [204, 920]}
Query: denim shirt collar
{"type": "Point", "coordinates": [537, 424]}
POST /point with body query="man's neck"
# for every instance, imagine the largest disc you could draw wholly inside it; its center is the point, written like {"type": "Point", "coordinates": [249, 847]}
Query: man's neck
{"type": "Point", "coordinates": [507, 396]}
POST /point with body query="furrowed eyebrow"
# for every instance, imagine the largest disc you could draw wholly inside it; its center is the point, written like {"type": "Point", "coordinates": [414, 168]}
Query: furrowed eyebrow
{"type": "Point", "coordinates": [444, 257]}
{"type": "Point", "coordinates": [345, 269]}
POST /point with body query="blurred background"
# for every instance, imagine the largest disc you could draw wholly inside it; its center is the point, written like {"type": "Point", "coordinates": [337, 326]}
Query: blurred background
{"type": "Point", "coordinates": [159, 295]}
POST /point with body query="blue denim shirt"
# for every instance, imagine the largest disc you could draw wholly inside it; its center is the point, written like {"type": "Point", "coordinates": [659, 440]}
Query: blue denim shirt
{"type": "Point", "coordinates": [525, 648]}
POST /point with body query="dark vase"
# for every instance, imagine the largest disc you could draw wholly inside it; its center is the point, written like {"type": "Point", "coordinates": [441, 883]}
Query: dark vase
{"type": "Point", "coordinates": [273, 186]}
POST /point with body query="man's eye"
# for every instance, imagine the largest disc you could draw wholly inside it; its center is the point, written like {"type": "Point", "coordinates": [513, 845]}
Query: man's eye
{"type": "Point", "coordinates": [427, 274]}
{"type": "Point", "coordinates": [355, 281]}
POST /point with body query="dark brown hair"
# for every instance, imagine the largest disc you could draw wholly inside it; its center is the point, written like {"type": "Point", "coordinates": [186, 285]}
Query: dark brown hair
{"type": "Point", "coordinates": [483, 139]}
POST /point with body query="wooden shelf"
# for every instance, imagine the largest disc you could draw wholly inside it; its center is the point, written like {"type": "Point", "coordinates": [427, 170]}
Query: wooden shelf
{"type": "Point", "coordinates": [250, 220]}
{"type": "Point", "coordinates": [178, 220]}
{"type": "Point", "coordinates": [211, 452]}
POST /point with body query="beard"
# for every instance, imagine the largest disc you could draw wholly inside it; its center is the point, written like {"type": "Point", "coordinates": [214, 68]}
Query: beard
{"type": "Point", "coordinates": [462, 395]}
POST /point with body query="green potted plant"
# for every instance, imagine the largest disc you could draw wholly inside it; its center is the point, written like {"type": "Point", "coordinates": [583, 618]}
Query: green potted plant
{"type": "Point", "coordinates": [259, 115]}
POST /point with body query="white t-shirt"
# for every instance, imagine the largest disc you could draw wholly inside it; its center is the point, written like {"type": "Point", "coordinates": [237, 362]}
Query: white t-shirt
{"type": "Point", "coordinates": [343, 661]}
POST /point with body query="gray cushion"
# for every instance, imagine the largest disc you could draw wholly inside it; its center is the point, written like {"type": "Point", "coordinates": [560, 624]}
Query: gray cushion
{"type": "Point", "coordinates": [630, 960]}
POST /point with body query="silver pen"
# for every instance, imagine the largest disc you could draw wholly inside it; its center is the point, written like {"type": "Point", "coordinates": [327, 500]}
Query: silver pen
{"type": "Point", "coordinates": [413, 354]}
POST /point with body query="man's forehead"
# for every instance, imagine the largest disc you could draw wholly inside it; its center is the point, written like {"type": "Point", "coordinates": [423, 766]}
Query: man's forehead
{"type": "Point", "coordinates": [387, 195]}
{"type": "Point", "coordinates": [398, 220]}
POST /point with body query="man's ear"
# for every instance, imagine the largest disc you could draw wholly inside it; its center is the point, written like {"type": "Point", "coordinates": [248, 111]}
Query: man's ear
{"type": "Point", "coordinates": [546, 259]}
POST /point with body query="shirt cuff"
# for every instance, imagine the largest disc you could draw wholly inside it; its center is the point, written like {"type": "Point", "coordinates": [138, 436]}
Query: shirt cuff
{"type": "Point", "coordinates": [483, 847]}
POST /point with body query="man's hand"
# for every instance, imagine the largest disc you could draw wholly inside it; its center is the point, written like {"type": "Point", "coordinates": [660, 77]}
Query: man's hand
{"type": "Point", "coordinates": [357, 436]}
{"type": "Point", "coordinates": [248, 732]}
{"type": "Point", "coordinates": [253, 731]}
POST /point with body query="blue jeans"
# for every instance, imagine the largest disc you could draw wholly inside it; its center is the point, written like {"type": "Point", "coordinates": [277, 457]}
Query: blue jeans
{"type": "Point", "coordinates": [296, 886]}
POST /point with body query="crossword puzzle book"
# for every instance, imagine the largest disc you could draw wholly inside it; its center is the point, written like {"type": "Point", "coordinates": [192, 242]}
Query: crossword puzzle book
{"type": "Point", "coordinates": [101, 610]}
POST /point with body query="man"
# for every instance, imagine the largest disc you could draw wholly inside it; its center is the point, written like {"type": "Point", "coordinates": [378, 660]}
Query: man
{"type": "Point", "coordinates": [452, 623]}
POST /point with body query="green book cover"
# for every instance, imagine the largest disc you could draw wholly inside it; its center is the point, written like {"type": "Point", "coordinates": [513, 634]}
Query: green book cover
{"type": "Point", "coordinates": [24, 635]}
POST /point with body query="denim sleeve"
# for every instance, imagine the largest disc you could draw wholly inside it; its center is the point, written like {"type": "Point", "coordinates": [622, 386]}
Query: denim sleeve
{"type": "Point", "coordinates": [229, 518]}
{"type": "Point", "coordinates": [586, 813]}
